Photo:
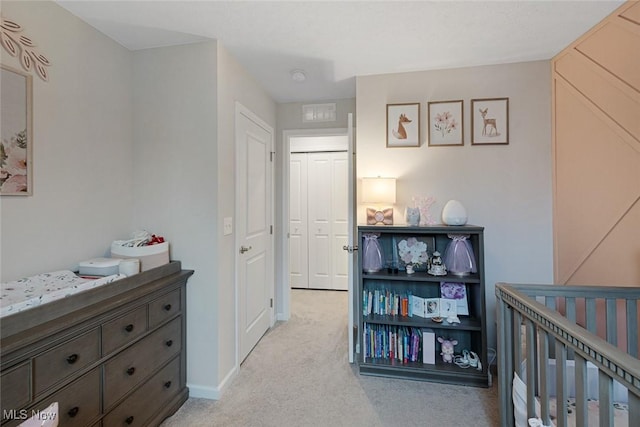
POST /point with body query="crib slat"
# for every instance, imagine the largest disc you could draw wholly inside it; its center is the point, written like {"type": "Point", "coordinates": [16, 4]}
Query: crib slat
{"type": "Point", "coordinates": [561, 384]}
{"type": "Point", "coordinates": [517, 340]}
{"type": "Point", "coordinates": [632, 333]}
{"type": "Point", "coordinates": [571, 308]}
{"type": "Point", "coordinates": [550, 302]}
{"type": "Point", "coordinates": [531, 373]}
{"type": "Point", "coordinates": [634, 407]}
{"type": "Point", "coordinates": [612, 323]}
{"type": "Point", "coordinates": [543, 355]}
{"type": "Point", "coordinates": [581, 391]}
{"type": "Point", "coordinates": [505, 363]}
{"type": "Point", "coordinates": [605, 388]}
{"type": "Point", "coordinates": [590, 309]}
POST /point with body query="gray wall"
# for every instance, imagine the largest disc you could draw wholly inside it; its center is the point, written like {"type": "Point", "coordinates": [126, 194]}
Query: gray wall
{"type": "Point", "coordinates": [176, 168]}
{"type": "Point", "coordinates": [82, 147]}
{"type": "Point", "coordinates": [505, 188]}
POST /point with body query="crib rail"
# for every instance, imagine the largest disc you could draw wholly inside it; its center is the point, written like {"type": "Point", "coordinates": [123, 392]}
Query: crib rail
{"type": "Point", "coordinates": [548, 333]}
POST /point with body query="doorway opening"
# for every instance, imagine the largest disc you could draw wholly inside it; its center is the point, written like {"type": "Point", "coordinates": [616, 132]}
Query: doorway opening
{"type": "Point", "coordinates": [318, 211]}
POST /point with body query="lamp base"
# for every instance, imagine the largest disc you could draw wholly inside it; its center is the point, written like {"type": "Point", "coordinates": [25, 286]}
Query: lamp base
{"type": "Point", "coordinates": [384, 216]}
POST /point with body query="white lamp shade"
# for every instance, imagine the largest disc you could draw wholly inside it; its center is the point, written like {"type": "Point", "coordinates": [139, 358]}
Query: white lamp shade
{"type": "Point", "coordinates": [379, 190]}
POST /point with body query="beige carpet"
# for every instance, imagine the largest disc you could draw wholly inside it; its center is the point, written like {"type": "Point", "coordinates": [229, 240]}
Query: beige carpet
{"type": "Point", "coordinates": [299, 375]}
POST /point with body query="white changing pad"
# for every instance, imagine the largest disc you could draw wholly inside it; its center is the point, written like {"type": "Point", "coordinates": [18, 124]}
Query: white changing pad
{"type": "Point", "coordinates": [36, 290]}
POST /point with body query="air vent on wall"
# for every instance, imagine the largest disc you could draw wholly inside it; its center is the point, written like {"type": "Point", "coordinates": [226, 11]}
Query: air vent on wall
{"type": "Point", "coordinates": [319, 113]}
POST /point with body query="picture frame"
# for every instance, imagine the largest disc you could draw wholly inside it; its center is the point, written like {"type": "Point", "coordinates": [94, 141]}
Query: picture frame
{"type": "Point", "coordinates": [490, 121]}
{"type": "Point", "coordinates": [16, 143]}
{"type": "Point", "coordinates": [446, 123]}
{"type": "Point", "coordinates": [403, 125]}
{"type": "Point", "coordinates": [432, 308]}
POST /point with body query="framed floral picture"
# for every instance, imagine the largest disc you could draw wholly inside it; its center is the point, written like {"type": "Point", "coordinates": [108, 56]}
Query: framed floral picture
{"type": "Point", "coordinates": [446, 123]}
{"type": "Point", "coordinates": [16, 141]}
{"type": "Point", "coordinates": [490, 121]}
{"type": "Point", "coordinates": [403, 125]}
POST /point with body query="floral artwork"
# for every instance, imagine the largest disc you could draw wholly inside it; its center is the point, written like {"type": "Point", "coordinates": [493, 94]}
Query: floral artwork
{"type": "Point", "coordinates": [15, 145]}
{"type": "Point", "coordinates": [446, 123]}
{"type": "Point", "coordinates": [413, 252]}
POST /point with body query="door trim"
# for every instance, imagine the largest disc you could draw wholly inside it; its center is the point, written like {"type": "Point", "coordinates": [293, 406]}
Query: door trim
{"type": "Point", "coordinates": [242, 110]}
{"type": "Point", "coordinates": [284, 284]}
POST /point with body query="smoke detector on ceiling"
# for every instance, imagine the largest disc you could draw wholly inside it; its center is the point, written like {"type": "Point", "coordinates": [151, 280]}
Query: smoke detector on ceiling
{"type": "Point", "coordinates": [298, 76]}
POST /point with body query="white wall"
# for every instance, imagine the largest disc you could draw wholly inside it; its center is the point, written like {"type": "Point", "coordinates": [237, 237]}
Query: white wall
{"type": "Point", "coordinates": [82, 148]}
{"type": "Point", "coordinates": [506, 189]}
{"type": "Point", "coordinates": [234, 84]}
{"type": "Point", "coordinates": [175, 182]}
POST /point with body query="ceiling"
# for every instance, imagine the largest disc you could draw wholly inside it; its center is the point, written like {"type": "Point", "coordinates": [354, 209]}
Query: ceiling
{"type": "Point", "coordinates": [335, 41]}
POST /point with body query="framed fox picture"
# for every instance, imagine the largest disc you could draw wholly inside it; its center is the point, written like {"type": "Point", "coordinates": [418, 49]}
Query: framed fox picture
{"type": "Point", "coordinates": [403, 125]}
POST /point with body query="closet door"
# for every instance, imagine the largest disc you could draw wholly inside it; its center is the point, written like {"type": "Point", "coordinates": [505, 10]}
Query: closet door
{"type": "Point", "coordinates": [327, 203]}
{"type": "Point", "coordinates": [319, 203]}
{"type": "Point", "coordinates": [298, 241]}
{"type": "Point", "coordinates": [339, 221]}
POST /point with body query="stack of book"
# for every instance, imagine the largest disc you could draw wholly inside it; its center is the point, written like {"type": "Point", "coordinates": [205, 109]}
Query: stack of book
{"type": "Point", "coordinates": [385, 302]}
{"type": "Point", "coordinates": [394, 343]}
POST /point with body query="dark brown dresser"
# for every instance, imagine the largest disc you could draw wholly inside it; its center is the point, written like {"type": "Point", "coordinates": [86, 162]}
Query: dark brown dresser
{"type": "Point", "coordinates": [110, 356]}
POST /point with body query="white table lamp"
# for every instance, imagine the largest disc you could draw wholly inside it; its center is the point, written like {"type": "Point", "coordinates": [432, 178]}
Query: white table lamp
{"type": "Point", "coordinates": [379, 191]}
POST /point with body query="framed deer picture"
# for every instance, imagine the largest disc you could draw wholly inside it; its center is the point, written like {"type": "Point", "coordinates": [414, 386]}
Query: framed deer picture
{"type": "Point", "coordinates": [403, 125]}
{"type": "Point", "coordinates": [490, 121]}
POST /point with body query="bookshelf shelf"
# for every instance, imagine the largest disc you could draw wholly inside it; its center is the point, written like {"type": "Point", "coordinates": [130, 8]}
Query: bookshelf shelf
{"type": "Point", "coordinates": [394, 342]}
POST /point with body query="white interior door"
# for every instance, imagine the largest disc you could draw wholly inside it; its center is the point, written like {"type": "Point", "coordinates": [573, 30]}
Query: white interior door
{"type": "Point", "coordinates": [319, 201]}
{"type": "Point", "coordinates": [327, 212]}
{"type": "Point", "coordinates": [254, 241]}
{"type": "Point", "coordinates": [352, 245]}
{"type": "Point", "coordinates": [298, 240]}
{"type": "Point", "coordinates": [339, 220]}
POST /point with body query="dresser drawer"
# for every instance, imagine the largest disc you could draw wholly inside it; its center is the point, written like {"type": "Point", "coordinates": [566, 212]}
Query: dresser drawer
{"type": "Point", "coordinates": [66, 359]}
{"type": "Point", "coordinates": [164, 308]}
{"type": "Point", "coordinates": [79, 402]}
{"type": "Point", "coordinates": [135, 364]}
{"type": "Point", "coordinates": [15, 387]}
{"type": "Point", "coordinates": [139, 406]}
{"type": "Point", "coordinates": [124, 329]}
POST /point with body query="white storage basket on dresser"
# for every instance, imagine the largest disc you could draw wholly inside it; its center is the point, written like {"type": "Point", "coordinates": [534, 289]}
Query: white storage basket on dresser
{"type": "Point", "coordinates": [150, 256]}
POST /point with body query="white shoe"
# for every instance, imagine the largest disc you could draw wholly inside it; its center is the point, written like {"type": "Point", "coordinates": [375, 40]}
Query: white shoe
{"type": "Point", "coordinates": [474, 360]}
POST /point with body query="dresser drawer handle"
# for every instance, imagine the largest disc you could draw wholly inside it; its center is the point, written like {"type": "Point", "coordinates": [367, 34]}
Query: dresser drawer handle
{"type": "Point", "coordinates": [167, 307]}
{"type": "Point", "coordinates": [129, 327]}
{"type": "Point", "coordinates": [73, 411]}
{"type": "Point", "coordinates": [129, 420]}
{"type": "Point", "coordinates": [167, 384]}
{"type": "Point", "coordinates": [169, 343]}
{"type": "Point", "coordinates": [72, 359]}
{"type": "Point", "coordinates": [131, 371]}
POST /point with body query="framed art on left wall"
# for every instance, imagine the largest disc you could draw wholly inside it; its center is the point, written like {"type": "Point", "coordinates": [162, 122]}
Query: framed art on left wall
{"type": "Point", "coordinates": [16, 145]}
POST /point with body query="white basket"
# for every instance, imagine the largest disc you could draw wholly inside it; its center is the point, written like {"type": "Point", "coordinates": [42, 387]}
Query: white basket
{"type": "Point", "coordinates": [150, 256]}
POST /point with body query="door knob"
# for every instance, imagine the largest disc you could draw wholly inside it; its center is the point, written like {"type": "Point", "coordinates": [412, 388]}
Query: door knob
{"type": "Point", "coordinates": [244, 249]}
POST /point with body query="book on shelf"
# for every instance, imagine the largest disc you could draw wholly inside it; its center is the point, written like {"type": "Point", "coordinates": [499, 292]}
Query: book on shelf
{"type": "Point", "coordinates": [429, 346]}
{"type": "Point", "coordinates": [397, 344]}
{"type": "Point", "coordinates": [458, 292]}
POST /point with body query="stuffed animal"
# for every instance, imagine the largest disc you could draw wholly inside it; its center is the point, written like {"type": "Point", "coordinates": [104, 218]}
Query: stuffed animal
{"type": "Point", "coordinates": [447, 349]}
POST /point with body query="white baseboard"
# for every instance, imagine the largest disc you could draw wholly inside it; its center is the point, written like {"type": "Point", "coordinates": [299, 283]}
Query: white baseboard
{"type": "Point", "coordinates": [212, 393]}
